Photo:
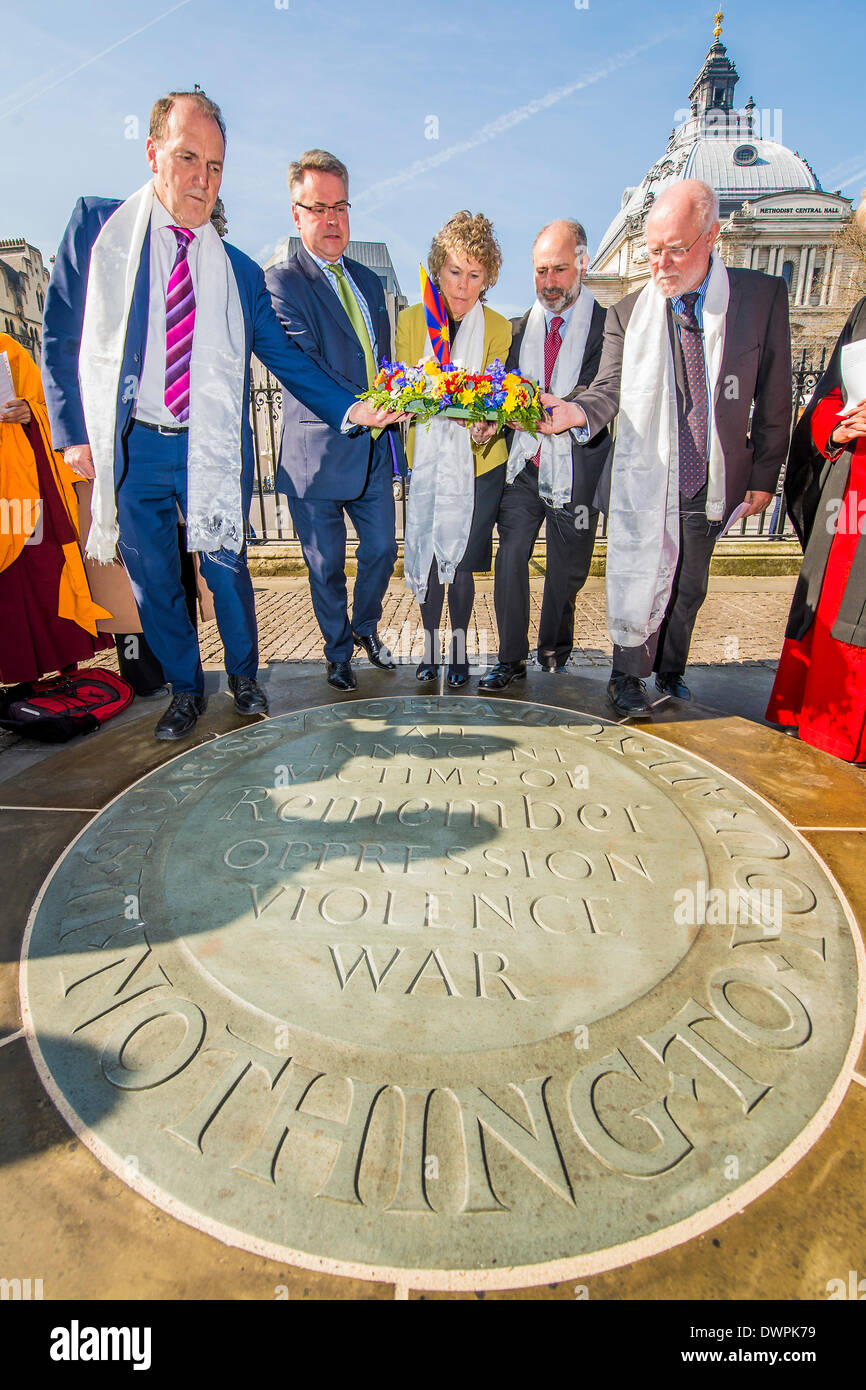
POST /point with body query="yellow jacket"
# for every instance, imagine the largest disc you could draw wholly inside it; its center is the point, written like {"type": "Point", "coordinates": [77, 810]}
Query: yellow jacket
{"type": "Point", "coordinates": [410, 341]}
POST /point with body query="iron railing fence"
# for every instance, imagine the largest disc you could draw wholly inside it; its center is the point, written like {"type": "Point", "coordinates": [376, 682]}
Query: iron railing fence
{"type": "Point", "coordinates": [270, 520]}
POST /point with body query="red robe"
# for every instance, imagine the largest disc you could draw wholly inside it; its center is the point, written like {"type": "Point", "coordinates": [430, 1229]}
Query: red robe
{"type": "Point", "coordinates": [820, 686]}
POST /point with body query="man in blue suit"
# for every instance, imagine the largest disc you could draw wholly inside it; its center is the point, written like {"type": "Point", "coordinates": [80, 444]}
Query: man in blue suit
{"type": "Point", "coordinates": [148, 328]}
{"type": "Point", "coordinates": [333, 309]}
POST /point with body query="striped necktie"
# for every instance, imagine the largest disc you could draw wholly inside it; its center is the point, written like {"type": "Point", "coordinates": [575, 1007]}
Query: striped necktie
{"type": "Point", "coordinates": [693, 421]}
{"type": "Point", "coordinates": [179, 328]}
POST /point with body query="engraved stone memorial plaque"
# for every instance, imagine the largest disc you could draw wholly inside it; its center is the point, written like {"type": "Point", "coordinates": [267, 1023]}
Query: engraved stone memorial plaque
{"type": "Point", "coordinates": [453, 992]}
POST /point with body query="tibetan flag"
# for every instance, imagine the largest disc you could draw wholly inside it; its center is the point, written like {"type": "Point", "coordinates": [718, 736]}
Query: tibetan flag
{"type": "Point", "coordinates": [437, 318]}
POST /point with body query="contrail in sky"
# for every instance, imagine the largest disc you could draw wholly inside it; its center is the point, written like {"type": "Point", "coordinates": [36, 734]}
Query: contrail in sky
{"type": "Point", "coordinates": [839, 169]}
{"type": "Point", "coordinates": [10, 110]}
{"type": "Point", "coordinates": [379, 193]}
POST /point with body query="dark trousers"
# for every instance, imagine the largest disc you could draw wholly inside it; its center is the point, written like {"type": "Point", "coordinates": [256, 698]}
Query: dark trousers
{"type": "Point", "coordinates": [461, 596]}
{"type": "Point", "coordinates": [149, 493]}
{"type": "Point", "coordinates": [321, 527]}
{"type": "Point", "coordinates": [570, 534]}
{"type": "Point", "coordinates": [667, 649]}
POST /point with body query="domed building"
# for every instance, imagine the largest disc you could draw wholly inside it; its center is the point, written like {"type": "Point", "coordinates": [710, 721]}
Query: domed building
{"type": "Point", "coordinates": [775, 215]}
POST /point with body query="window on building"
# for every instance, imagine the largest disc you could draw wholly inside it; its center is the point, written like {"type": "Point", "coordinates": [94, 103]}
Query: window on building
{"type": "Point", "coordinates": [815, 286]}
{"type": "Point", "coordinates": [788, 273]}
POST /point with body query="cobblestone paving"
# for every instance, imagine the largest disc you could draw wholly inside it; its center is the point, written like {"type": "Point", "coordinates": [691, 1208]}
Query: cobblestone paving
{"type": "Point", "coordinates": [742, 620]}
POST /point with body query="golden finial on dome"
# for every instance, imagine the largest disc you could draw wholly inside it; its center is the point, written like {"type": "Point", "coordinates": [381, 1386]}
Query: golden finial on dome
{"type": "Point", "coordinates": [717, 32]}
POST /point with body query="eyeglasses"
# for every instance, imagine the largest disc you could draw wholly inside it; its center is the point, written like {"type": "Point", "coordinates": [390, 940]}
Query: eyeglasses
{"type": "Point", "coordinates": [676, 253]}
{"type": "Point", "coordinates": [321, 209]}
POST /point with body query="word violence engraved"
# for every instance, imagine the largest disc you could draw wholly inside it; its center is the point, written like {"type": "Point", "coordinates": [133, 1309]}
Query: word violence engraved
{"type": "Point", "coordinates": [430, 988]}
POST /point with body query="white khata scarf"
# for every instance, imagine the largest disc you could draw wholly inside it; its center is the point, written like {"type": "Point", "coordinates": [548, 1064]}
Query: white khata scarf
{"type": "Point", "coordinates": [555, 463]}
{"type": "Point", "coordinates": [442, 490]}
{"type": "Point", "coordinates": [643, 526]}
{"type": "Point", "coordinates": [214, 511]}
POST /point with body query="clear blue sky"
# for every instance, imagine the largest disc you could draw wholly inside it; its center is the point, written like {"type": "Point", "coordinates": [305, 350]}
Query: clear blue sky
{"type": "Point", "coordinates": [363, 79]}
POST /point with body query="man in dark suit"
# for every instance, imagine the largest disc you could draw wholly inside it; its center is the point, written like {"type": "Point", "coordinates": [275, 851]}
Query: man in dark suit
{"type": "Point", "coordinates": [334, 309]}
{"type": "Point", "coordinates": [730, 443]}
{"type": "Point", "coordinates": [564, 307]}
{"type": "Point", "coordinates": [148, 329]}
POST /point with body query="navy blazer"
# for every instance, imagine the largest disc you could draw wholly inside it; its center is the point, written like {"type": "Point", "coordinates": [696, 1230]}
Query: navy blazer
{"type": "Point", "coordinates": [61, 341]}
{"type": "Point", "coordinates": [316, 460]}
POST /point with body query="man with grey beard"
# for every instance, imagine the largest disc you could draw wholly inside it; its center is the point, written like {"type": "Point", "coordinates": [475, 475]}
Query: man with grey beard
{"type": "Point", "coordinates": [558, 343]}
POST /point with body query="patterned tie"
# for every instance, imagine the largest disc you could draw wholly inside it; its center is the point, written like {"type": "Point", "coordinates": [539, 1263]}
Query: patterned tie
{"type": "Point", "coordinates": [693, 423]}
{"type": "Point", "coordinates": [552, 344]}
{"type": "Point", "coordinates": [356, 318]}
{"type": "Point", "coordinates": [179, 327]}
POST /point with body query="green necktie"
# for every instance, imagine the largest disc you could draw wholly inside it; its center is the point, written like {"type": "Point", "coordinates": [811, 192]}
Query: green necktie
{"type": "Point", "coordinates": [356, 318]}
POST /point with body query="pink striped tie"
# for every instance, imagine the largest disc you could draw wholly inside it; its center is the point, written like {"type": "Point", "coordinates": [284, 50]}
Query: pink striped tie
{"type": "Point", "coordinates": [179, 328]}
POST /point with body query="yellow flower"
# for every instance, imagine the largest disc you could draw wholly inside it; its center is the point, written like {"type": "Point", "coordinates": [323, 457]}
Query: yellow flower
{"type": "Point", "coordinates": [432, 368]}
{"type": "Point", "coordinates": [511, 381]}
{"type": "Point", "coordinates": [467, 396]}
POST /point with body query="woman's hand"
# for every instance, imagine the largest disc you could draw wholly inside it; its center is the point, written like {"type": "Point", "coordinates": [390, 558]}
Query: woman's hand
{"type": "Point", "coordinates": [15, 413]}
{"type": "Point", "coordinates": [483, 431]}
{"type": "Point", "coordinates": [852, 427]}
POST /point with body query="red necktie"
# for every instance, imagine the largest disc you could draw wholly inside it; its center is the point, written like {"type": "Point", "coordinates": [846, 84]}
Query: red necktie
{"type": "Point", "coordinates": [552, 344]}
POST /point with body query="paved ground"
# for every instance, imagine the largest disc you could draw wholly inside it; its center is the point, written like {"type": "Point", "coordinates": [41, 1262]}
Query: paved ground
{"type": "Point", "coordinates": [736, 645]}
{"type": "Point", "coordinates": [743, 620]}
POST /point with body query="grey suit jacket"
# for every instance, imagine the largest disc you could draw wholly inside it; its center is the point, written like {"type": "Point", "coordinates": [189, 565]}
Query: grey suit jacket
{"type": "Point", "coordinates": [756, 371]}
{"type": "Point", "coordinates": [587, 460]}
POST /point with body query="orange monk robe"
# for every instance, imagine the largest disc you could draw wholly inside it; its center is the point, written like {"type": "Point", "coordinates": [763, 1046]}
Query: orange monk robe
{"type": "Point", "coordinates": [19, 492]}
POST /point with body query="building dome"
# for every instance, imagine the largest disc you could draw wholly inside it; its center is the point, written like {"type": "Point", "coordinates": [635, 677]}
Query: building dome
{"type": "Point", "coordinates": [722, 146]}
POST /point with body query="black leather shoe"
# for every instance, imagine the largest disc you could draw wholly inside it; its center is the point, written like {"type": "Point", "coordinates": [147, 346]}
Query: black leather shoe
{"type": "Point", "coordinates": [376, 651]}
{"type": "Point", "coordinates": [628, 695]}
{"type": "Point", "coordinates": [672, 683]}
{"type": "Point", "coordinates": [249, 696]}
{"type": "Point", "coordinates": [181, 715]}
{"type": "Point", "coordinates": [457, 676]}
{"type": "Point", "coordinates": [426, 673]}
{"type": "Point", "coordinates": [550, 663]}
{"type": "Point", "coordinates": [341, 676]}
{"type": "Point", "coordinates": [503, 673]}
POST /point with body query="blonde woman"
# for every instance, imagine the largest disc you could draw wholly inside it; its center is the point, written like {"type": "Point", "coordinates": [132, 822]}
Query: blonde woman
{"type": "Point", "coordinates": [458, 474]}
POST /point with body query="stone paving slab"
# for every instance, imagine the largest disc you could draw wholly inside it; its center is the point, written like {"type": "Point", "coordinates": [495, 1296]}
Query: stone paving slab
{"type": "Point", "coordinates": [93, 1236]}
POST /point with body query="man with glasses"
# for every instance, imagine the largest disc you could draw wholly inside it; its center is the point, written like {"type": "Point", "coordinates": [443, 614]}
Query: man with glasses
{"type": "Point", "coordinates": [334, 309]}
{"type": "Point", "coordinates": [698, 364]}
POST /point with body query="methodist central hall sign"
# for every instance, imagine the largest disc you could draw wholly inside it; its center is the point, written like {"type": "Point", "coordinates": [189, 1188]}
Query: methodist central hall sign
{"type": "Point", "coordinates": [443, 991]}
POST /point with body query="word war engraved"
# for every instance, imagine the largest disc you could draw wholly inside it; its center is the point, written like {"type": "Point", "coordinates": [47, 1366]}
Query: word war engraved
{"type": "Point", "coordinates": [443, 987]}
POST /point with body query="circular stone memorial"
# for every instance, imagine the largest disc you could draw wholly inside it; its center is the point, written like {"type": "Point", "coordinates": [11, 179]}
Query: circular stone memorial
{"type": "Point", "coordinates": [454, 992]}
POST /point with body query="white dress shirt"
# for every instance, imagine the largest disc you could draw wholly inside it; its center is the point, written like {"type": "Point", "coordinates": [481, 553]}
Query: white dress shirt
{"type": "Point", "coordinates": [150, 405]}
{"type": "Point", "coordinates": [346, 426]}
